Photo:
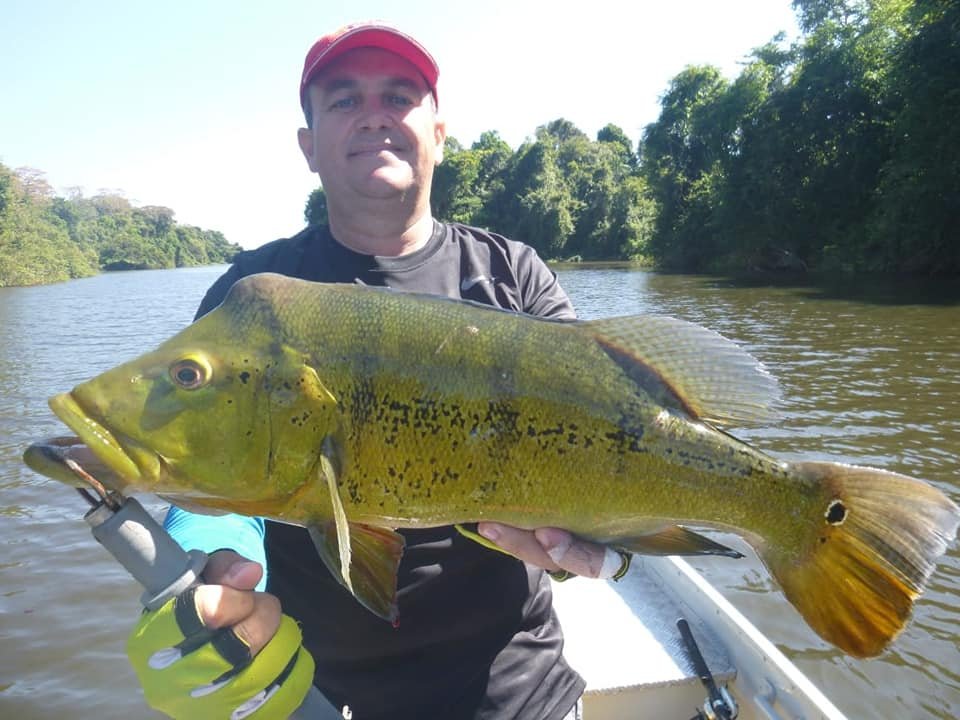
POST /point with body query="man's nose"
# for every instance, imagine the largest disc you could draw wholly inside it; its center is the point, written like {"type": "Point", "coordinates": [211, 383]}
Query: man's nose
{"type": "Point", "coordinates": [376, 117]}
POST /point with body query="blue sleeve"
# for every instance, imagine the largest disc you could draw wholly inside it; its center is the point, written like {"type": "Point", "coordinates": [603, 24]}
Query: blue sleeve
{"type": "Point", "coordinates": [218, 532]}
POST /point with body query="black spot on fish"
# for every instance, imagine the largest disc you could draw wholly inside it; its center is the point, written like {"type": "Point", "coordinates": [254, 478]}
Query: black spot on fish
{"type": "Point", "coordinates": [353, 490]}
{"type": "Point", "coordinates": [624, 442]}
{"type": "Point", "coordinates": [244, 377]}
{"type": "Point", "coordinates": [836, 512]}
{"type": "Point", "coordinates": [363, 401]}
{"type": "Point", "coordinates": [501, 423]}
{"type": "Point", "coordinates": [426, 416]}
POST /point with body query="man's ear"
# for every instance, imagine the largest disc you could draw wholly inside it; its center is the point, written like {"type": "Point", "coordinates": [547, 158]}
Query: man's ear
{"type": "Point", "coordinates": [305, 139]}
{"type": "Point", "coordinates": [440, 137]}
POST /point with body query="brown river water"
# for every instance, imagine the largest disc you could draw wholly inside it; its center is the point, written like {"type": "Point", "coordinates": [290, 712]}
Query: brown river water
{"type": "Point", "coordinates": [870, 373]}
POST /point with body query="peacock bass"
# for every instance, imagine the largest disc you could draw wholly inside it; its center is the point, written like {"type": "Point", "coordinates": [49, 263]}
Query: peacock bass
{"type": "Point", "coordinates": [355, 411]}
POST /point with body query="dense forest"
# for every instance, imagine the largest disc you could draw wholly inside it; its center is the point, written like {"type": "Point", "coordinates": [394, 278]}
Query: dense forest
{"type": "Point", "coordinates": [841, 152]}
{"type": "Point", "coordinates": [45, 238]}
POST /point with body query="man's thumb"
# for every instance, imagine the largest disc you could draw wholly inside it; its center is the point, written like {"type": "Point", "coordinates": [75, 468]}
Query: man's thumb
{"type": "Point", "coordinates": [226, 567]}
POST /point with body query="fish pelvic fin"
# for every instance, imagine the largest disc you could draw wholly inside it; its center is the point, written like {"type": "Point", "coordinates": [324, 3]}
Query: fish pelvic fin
{"type": "Point", "coordinates": [481, 540]}
{"type": "Point", "coordinates": [364, 558]}
{"type": "Point", "coordinates": [375, 560]}
{"type": "Point", "coordinates": [675, 540]}
{"type": "Point", "coordinates": [688, 367]}
{"type": "Point", "coordinates": [857, 577]}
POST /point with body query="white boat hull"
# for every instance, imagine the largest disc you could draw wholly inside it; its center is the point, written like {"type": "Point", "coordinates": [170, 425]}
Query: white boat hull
{"type": "Point", "coordinates": [623, 639]}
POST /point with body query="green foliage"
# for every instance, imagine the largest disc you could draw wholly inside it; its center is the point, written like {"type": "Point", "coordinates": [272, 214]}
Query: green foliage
{"type": "Point", "coordinates": [44, 238]}
{"type": "Point", "coordinates": [562, 193]}
{"type": "Point", "coordinates": [842, 152]}
{"type": "Point", "coordinates": [315, 213]}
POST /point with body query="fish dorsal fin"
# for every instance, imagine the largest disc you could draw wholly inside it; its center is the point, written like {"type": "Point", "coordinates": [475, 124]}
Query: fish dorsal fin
{"type": "Point", "coordinates": [688, 367]}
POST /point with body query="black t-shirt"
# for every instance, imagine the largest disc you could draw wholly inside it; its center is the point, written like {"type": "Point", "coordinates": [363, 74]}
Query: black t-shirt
{"type": "Point", "coordinates": [477, 637]}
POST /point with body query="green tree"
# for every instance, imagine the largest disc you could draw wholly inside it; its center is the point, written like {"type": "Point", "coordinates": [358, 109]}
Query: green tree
{"type": "Point", "coordinates": [916, 209]}
{"type": "Point", "coordinates": [315, 212]}
{"type": "Point", "coordinates": [46, 238]}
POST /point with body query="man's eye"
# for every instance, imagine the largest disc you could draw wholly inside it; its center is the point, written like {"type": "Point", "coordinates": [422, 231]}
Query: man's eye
{"type": "Point", "coordinates": [399, 101]}
{"type": "Point", "coordinates": [343, 103]}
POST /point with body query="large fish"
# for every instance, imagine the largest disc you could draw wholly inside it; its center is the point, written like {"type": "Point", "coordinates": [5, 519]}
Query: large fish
{"type": "Point", "coordinates": [355, 411]}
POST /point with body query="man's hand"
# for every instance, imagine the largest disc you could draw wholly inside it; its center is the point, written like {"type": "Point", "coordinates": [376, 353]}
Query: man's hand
{"type": "Point", "coordinates": [229, 600]}
{"type": "Point", "coordinates": [555, 550]}
{"type": "Point", "coordinates": [221, 649]}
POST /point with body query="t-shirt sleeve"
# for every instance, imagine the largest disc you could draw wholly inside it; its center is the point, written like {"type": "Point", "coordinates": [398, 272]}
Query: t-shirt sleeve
{"type": "Point", "coordinates": [542, 294]}
{"type": "Point", "coordinates": [218, 291]}
{"type": "Point", "coordinates": [244, 535]}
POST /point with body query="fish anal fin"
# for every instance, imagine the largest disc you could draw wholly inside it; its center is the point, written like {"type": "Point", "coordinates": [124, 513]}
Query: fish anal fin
{"type": "Point", "coordinates": [675, 540]}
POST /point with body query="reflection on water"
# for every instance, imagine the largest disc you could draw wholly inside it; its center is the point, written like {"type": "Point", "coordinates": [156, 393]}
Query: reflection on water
{"type": "Point", "coordinates": [870, 373]}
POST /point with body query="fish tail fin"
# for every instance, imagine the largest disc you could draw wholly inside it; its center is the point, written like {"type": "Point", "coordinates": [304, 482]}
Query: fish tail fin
{"type": "Point", "coordinates": [855, 578]}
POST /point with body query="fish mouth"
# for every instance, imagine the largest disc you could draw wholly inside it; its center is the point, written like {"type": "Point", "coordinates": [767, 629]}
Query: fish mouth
{"type": "Point", "coordinates": [133, 463]}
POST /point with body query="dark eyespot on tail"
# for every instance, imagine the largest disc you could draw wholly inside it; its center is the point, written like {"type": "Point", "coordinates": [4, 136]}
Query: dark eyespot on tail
{"type": "Point", "coordinates": [836, 512]}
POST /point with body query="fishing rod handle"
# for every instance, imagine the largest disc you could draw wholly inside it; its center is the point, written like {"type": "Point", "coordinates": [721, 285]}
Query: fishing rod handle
{"type": "Point", "coordinates": [164, 569]}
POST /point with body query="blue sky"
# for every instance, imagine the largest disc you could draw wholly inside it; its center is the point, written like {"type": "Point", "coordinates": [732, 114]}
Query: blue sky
{"type": "Point", "coordinates": [193, 104]}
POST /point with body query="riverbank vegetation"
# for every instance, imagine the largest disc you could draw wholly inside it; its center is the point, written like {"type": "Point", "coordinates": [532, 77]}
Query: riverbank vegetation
{"type": "Point", "coordinates": [840, 152]}
{"type": "Point", "coordinates": [45, 238]}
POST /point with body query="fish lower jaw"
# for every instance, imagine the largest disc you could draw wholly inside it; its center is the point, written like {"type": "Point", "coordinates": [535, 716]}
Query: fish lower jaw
{"type": "Point", "coordinates": [136, 465]}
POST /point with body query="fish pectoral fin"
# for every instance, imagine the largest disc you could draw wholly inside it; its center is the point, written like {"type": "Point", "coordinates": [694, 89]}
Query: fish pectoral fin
{"type": "Point", "coordinates": [372, 574]}
{"type": "Point", "coordinates": [675, 540]}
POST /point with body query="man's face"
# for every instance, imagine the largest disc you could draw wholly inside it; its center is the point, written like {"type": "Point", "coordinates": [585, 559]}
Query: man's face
{"type": "Point", "coordinates": [375, 132]}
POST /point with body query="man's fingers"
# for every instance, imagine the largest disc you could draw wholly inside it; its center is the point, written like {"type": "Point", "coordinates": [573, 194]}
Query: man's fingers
{"type": "Point", "coordinates": [253, 617]}
{"type": "Point", "coordinates": [522, 544]}
{"type": "Point", "coordinates": [229, 601]}
{"type": "Point", "coordinates": [576, 556]}
{"type": "Point", "coordinates": [552, 549]}
{"type": "Point", "coordinates": [261, 625]}
{"type": "Point", "coordinates": [219, 606]}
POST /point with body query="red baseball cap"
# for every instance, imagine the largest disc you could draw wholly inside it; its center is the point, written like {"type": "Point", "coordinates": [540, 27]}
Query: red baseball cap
{"type": "Point", "coordinates": [367, 34]}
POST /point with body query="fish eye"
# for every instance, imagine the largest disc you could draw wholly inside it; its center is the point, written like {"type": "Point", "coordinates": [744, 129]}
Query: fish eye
{"type": "Point", "coordinates": [189, 374]}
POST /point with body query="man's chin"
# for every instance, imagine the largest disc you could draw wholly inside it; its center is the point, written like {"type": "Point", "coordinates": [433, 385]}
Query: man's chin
{"type": "Point", "coordinates": [388, 182]}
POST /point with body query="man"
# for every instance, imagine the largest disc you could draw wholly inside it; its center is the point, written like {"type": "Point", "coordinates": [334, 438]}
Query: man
{"type": "Point", "coordinates": [477, 636]}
